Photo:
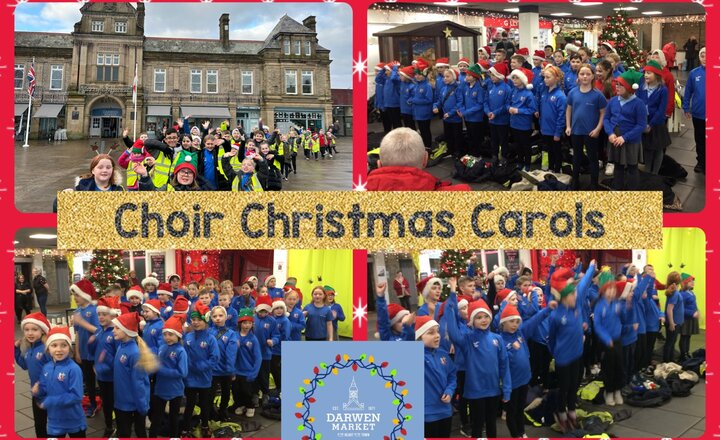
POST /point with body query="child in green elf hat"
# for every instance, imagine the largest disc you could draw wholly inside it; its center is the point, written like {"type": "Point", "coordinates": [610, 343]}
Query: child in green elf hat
{"type": "Point", "coordinates": [335, 308]}
{"type": "Point", "coordinates": [624, 122]}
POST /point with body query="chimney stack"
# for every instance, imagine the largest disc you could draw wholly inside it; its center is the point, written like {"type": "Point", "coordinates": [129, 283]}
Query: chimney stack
{"type": "Point", "coordinates": [225, 31]}
{"type": "Point", "coordinates": [310, 23]}
{"type": "Point", "coordinates": [140, 15]}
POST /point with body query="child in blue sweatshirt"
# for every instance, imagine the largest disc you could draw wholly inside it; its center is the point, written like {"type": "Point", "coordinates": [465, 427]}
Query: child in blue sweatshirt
{"type": "Point", "coordinates": [407, 85]}
{"type": "Point", "coordinates": [495, 107]}
{"type": "Point", "coordinates": [565, 339]}
{"type": "Point", "coordinates": [336, 309]}
{"type": "Point", "coordinates": [608, 326]}
{"type": "Point", "coordinates": [133, 361]}
{"type": "Point", "coordinates": [59, 390]}
{"type": "Point", "coordinates": [268, 335]}
{"type": "Point", "coordinates": [152, 331]}
{"type": "Point", "coordinates": [203, 355]}
{"type": "Point", "coordinates": [653, 317]}
{"type": "Point", "coordinates": [318, 317]}
{"type": "Point", "coordinates": [30, 355]}
{"type": "Point", "coordinates": [439, 379]}
{"type": "Point", "coordinates": [629, 333]}
{"type": "Point", "coordinates": [571, 74]}
{"type": "Point", "coordinates": [522, 107]}
{"type": "Point", "coordinates": [694, 107]}
{"type": "Point", "coordinates": [280, 314]}
{"type": "Point", "coordinates": [105, 348]}
{"type": "Point", "coordinates": [552, 116]}
{"type": "Point", "coordinates": [447, 104]}
{"type": "Point", "coordinates": [421, 99]}
{"type": "Point", "coordinates": [295, 315]}
{"type": "Point", "coordinates": [471, 109]}
{"type": "Point", "coordinates": [624, 121]}
{"type": "Point", "coordinates": [378, 103]}
{"type": "Point", "coordinates": [247, 365]}
{"type": "Point", "coordinates": [391, 97]}
{"type": "Point", "coordinates": [274, 291]}
{"type": "Point", "coordinates": [393, 319]}
{"type": "Point", "coordinates": [487, 378]}
{"type": "Point", "coordinates": [225, 300]}
{"type": "Point", "coordinates": [691, 324]}
{"type": "Point", "coordinates": [164, 294]}
{"type": "Point", "coordinates": [674, 314]}
{"type": "Point", "coordinates": [85, 323]}
{"type": "Point", "coordinates": [655, 138]}
{"type": "Point", "coordinates": [245, 299]}
{"type": "Point", "coordinates": [224, 370]}
{"type": "Point", "coordinates": [170, 386]}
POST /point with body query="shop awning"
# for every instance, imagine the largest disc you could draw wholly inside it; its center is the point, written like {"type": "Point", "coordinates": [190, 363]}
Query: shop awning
{"type": "Point", "coordinates": [158, 110]}
{"type": "Point", "coordinates": [48, 111]}
{"type": "Point", "coordinates": [205, 112]}
{"type": "Point", "coordinates": [20, 109]}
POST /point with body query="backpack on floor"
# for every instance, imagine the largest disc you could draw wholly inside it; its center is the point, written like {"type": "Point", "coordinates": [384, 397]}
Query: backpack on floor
{"type": "Point", "coordinates": [477, 171]}
{"type": "Point", "coordinates": [679, 387]}
{"type": "Point", "coordinates": [671, 168]}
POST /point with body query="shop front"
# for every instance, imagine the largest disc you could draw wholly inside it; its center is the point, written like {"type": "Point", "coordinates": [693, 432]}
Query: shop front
{"type": "Point", "coordinates": [50, 117]}
{"type": "Point", "coordinates": [106, 122]}
{"type": "Point", "coordinates": [157, 117]}
{"type": "Point", "coordinates": [197, 114]}
{"type": "Point", "coordinates": [299, 118]}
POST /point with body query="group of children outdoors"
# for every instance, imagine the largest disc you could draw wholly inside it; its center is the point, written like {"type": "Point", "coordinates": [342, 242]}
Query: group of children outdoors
{"type": "Point", "coordinates": [504, 337]}
{"type": "Point", "coordinates": [603, 111]}
{"type": "Point", "coordinates": [163, 345]}
{"type": "Point", "coordinates": [207, 159]}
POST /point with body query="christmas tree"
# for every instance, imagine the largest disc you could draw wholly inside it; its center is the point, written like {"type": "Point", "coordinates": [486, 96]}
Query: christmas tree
{"type": "Point", "coordinates": [618, 32]}
{"type": "Point", "coordinates": [454, 263]}
{"type": "Point", "coordinates": [106, 267]}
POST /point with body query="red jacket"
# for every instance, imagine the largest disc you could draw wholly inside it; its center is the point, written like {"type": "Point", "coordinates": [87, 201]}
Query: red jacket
{"type": "Point", "coordinates": [670, 53]}
{"type": "Point", "coordinates": [669, 81]}
{"type": "Point", "coordinates": [409, 179]}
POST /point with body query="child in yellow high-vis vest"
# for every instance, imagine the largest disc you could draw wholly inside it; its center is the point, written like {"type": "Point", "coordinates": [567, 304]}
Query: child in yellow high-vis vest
{"type": "Point", "coordinates": [244, 179]}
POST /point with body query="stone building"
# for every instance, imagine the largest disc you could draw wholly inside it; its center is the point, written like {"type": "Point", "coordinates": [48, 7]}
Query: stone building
{"type": "Point", "coordinates": [85, 78]}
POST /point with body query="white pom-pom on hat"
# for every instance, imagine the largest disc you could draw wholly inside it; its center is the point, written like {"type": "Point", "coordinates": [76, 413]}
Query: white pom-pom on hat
{"type": "Point", "coordinates": [635, 86]}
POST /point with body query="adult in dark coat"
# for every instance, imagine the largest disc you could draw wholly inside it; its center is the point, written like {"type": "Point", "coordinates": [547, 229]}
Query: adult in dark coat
{"type": "Point", "coordinates": [41, 288]}
{"type": "Point", "coordinates": [692, 51]}
{"type": "Point", "coordinates": [23, 297]}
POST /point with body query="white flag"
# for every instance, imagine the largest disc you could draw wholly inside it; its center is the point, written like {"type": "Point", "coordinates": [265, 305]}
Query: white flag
{"type": "Point", "coordinates": [135, 84]}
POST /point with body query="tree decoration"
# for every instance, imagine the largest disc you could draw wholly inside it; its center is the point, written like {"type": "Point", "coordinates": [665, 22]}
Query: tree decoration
{"type": "Point", "coordinates": [106, 267]}
{"type": "Point", "coordinates": [364, 362]}
{"type": "Point", "coordinates": [453, 263]}
{"type": "Point", "coordinates": [617, 29]}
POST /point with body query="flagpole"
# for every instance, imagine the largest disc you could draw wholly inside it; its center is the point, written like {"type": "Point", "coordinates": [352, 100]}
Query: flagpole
{"type": "Point", "coordinates": [27, 130]}
{"type": "Point", "coordinates": [135, 80]}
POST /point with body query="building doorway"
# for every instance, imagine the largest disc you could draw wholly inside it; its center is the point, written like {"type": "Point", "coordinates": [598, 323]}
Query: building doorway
{"type": "Point", "coordinates": [106, 118]}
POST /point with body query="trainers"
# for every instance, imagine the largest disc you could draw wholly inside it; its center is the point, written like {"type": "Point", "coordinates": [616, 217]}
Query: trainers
{"type": "Point", "coordinates": [239, 410]}
{"type": "Point", "coordinates": [90, 412]}
{"type": "Point", "coordinates": [609, 169]}
{"type": "Point", "coordinates": [109, 432]}
{"type": "Point", "coordinates": [250, 412]}
{"type": "Point", "coordinates": [331, 156]}
{"type": "Point", "coordinates": [618, 397]}
{"type": "Point", "coordinates": [609, 398]}
{"type": "Point", "coordinates": [466, 430]}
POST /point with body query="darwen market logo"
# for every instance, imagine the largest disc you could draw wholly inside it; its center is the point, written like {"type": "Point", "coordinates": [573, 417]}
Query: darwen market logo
{"type": "Point", "coordinates": [353, 419]}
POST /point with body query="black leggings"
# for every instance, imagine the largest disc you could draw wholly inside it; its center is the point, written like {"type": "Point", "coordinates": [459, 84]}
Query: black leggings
{"type": "Point", "coordinates": [650, 338]}
{"type": "Point", "coordinates": [628, 361]}
{"type": "Point", "coordinates": [640, 348]}
{"type": "Point", "coordinates": [699, 129]}
{"type": "Point", "coordinates": [275, 371]}
{"type": "Point", "coordinates": [499, 138]}
{"type": "Point", "coordinates": [462, 406]}
{"type": "Point", "coordinates": [125, 420]}
{"type": "Point", "coordinates": [438, 428]}
{"type": "Point", "coordinates": [521, 145]}
{"type": "Point", "coordinates": [515, 411]}
{"type": "Point", "coordinates": [88, 371]}
{"type": "Point", "coordinates": [554, 151]}
{"type": "Point", "coordinates": [40, 419]}
{"type": "Point", "coordinates": [569, 381]}
{"type": "Point", "coordinates": [201, 397]}
{"type": "Point", "coordinates": [539, 362]}
{"type": "Point", "coordinates": [670, 339]}
{"type": "Point", "coordinates": [612, 367]}
{"type": "Point", "coordinates": [393, 113]}
{"type": "Point", "coordinates": [425, 133]}
{"type": "Point", "coordinates": [225, 383]}
{"type": "Point", "coordinates": [620, 183]}
{"type": "Point", "coordinates": [475, 138]}
{"type": "Point", "coordinates": [263, 379]}
{"type": "Point", "coordinates": [408, 121]}
{"type": "Point", "coordinates": [294, 163]}
{"type": "Point", "coordinates": [684, 346]}
{"type": "Point", "coordinates": [107, 394]}
{"type": "Point", "coordinates": [484, 412]}
{"type": "Point", "coordinates": [592, 146]}
{"type": "Point", "coordinates": [173, 428]}
{"type": "Point", "coordinates": [23, 303]}
{"type": "Point", "coordinates": [453, 137]}
{"type": "Point", "coordinates": [242, 392]}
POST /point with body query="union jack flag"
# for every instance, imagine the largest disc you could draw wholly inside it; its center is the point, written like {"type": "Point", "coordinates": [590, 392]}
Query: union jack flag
{"type": "Point", "coordinates": [31, 79]}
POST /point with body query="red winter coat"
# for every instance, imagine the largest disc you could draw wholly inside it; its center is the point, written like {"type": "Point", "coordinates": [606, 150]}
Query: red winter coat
{"type": "Point", "coordinates": [408, 179]}
{"type": "Point", "coordinates": [670, 53]}
{"type": "Point", "coordinates": [669, 81]}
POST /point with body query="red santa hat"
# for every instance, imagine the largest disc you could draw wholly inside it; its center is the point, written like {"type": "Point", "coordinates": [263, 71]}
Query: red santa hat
{"type": "Point", "coordinates": [396, 313]}
{"type": "Point", "coordinates": [174, 275]}
{"type": "Point", "coordinates": [164, 288]}
{"type": "Point", "coordinates": [174, 325]}
{"type": "Point", "coordinates": [442, 62]}
{"type": "Point", "coordinates": [525, 75]}
{"type": "Point", "coordinates": [478, 306]}
{"type": "Point", "coordinates": [379, 66]}
{"type": "Point", "coordinates": [391, 64]}
{"type": "Point", "coordinates": [268, 278]}
{"type": "Point", "coordinates": [181, 306]}
{"type": "Point", "coordinates": [186, 165]}
{"type": "Point", "coordinates": [128, 323]}
{"type": "Point", "coordinates": [109, 304]}
{"type": "Point", "coordinates": [201, 311]}
{"type": "Point", "coordinates": [464, 60]}
{"type": "Point", "coordinates": [151, 279]}
{"type": "Point", "coordinates": [499, 70]}
{"type": "Point", "coordinates": [608, 45]}
{"type": "Point", "coordinates": [484, 66]}
{"type": "Point", "coordinates": [505, 295]}
{"type": "Point", "coordinates": [562, 283]}
{"type": "Point", "coordinates": [407, 71]}
{"type": "Point", "coordinates": [455, 74]}
{"type": "Point", "coordinates": [422, 67]}
{"type": "Point", "coordinates": [37, 319]}
{"type": "Point", "coordinates": [60, 333]}
{"type": "Point", "coordinates": [524, 52]}
{"type": "Point", "coordinates": [539, 55]}
{"type": "Point", "coordinates": [509, 312]}
{"type": "Point", "coordinates": [624, 288]}
{"type": "Point", "coordinates": [138, 147]}
{"type": "Point", "coordinates": [426, 283]}
{"type": "Point", "coordinates": [135, 291]}
{"type": "Point", "coordinates": [423, 324]}
{"type": "Point", "coordinates": [486, 50]}
{"type": "Point", "coordinates": [154, 305]}
{"type": "Point", "coordinates": [464, 300]}
{"type": "Point", "coordinates": [84, 289]}
{"type": "Point", "coordinates": [263, 303]}
{"type": "Point", "coordinates": [279, 303]}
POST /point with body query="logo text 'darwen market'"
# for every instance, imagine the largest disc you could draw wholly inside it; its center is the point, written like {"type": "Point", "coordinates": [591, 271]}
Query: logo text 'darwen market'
{"type": "Point", "coordinates": [353, 420]}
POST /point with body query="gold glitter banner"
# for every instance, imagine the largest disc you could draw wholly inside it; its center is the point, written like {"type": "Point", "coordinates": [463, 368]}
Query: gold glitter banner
{"type": "Point", "coordinates": [360, 220]}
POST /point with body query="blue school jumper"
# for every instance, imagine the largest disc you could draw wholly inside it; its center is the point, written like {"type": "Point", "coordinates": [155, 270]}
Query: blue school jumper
{"type": "Point", "coordinates": [152, 334]}
{"type": "Point", "coordinates": [249, 358]}
{"type": "Point", "coordinates": [422, 100]}
{"type": "Point", "coordinates": [553, 104]}
{"type": "Point", "coordinates": [694, 100]}
{"type": "Point", "coordinates": [440, 379]}
{"type": "Point", "coordinates": [283, 327]}
{"type": "Point", "coordinates": [524, 101]}
{"type": "Point", "coordinates": [337, 308]}
{"type": "Point", "coordinates": [451, 104]}
{"type": "Point", "coordinates": [379, 94]}
{"type": "Point", "coordinates": [676, 300]}
{"type": "Point", "coordinates": [203, 355]}
{"type": "Point", "coordinates": [655, 100]}
{"type": "Point", "coordinates": [33, 360]}
{"type": "Point", "coordinates": [297, 323]}
{"type": "Point", "coordinates": [689, 303]}
{"type": "Point", "coordinates": [570, 81]}
{"type": "Point", "coordinates": [242, 302]}
{"type": "Point", "coordinates": [105, 349]}
{"type": "Point", "coordinates": [391, 90]}
{"type": "Point", "coordinates": [498, 102]}
{"type": "Point", "coordinates": [266, 328]}
{"type": "Point", "coordinates": [89, 314]}
{"type": "Point", "coordinates": [61, 394]}
{"type": "Point", "coordinates": [169, 382]}
{"type": "Point", "coordinates": [472, 102]}
{"type": "Point", "coordinates": [316, 321]}
{"type": "Point", "coordinates": [132, 389]}
{"type": "Point", "coordinates": [384, 327]}
{"type": "Point", "coordinates": [227, 342]}
{"type": "Point", "coordinates": [630, 118]}
{"type": "Point", "coordinates": [406, 90]}
{"type": "Point", "coordinates": [518, 351]}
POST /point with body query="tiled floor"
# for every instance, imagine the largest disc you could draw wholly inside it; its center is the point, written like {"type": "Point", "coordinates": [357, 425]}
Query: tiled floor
{"type": "Point", "coordinates": [43, 169]}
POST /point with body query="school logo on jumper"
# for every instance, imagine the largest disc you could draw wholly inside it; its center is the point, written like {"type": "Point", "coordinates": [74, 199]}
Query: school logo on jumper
{"type": "Point", "coordinates": [61, 377]}
{"type": "Point", "coordinates": [203, 344]}
{"type": "Point", "coordinates": [173, 354]}
{"type": "Point", "coordinates": [38, 355]}
{"type": "Point", "coordinates": [356, 390]}
{"type": "Point", "coordinates": [123, 358]}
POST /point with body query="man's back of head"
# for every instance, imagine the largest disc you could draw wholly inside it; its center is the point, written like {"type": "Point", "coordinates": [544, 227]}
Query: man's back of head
{"type": "Point", "coordinates": [403, 147]}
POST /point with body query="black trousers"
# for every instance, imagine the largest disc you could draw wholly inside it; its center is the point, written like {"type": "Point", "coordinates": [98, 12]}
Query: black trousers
{"type": "Point", "coordinates": [405, 302]}
{"type": "Point", "coordinates": [554, 151]}
{"type": "Point", "coordinates": [539, 362]}
{"type": "Point", "coordinates": [498, 139]}
{"type": "Point", "coordinates": [475, 138]}
{"type": "Point", "coordinates": [670, 339]}
{"type": "Point", "coordinates": [395, 119]}
{"type": "Point", "coordinates": [88, 370]}
{"type": "Point", "coordinates": [79, 434]}
{"type": "Point", "coordinates": [640, 348]}
{"type": "Point", "coordinates": [453, 137]}
{"type": "Point", "coordinates": [684, 347]}
{"type": "Point", "coordinates": [408, 121]}
{"type": "Point", "coordinates": [650, 338]}
{"type": "Point", "coordinates": [521, 148]}
{"type": "Point", "coordinates": [569, 381]}
{"type": "Point", "coordinates": [386, 121]}
{"type": "Point", "coordinates": [623, 183]}
{"type": "Point", "coordinates": [40, 419]}
{"type": "Point", "coordinates": [515, 411]}
{"type": "Point", "coordinates": [612, 367]}
{"type": "Point", "coordinates": [23, 303]}
{"type": "Point", "coordinates": [294, 163]}
{"type": "Point", "coordinates": [225, 384]}
{"type": "Point", "coordinates": [425, 133]}
{"type": "Point", "coordinates": [107, 394]}
{"type": "Point", "coordinates": [242, 391]}
{"type": "Point", "coordinates": [699, 129]}
{"type": "Point", "coordinates": [463, 406]}
{"type": "Point", "coordinates": [173, 428]}
{"type": "Point", "coordinates": [263, 379]}
{"type": "Point", "coordinates": [438, 428]}
{"type": "Point", "coordinates": [275, 371]}
{"type": "Point", "coordinates": [203, 398]}
{"type": "Point", "coordinates": [628, 361]}
{"type": "Point", "coordinates": [483, 413]}
{"type": "Point", "coordinates": [592, 145]}
{"type": "Point", "coordinates": [125, 420]}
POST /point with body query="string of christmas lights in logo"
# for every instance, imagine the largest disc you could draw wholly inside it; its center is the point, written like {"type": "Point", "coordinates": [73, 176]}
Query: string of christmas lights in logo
{"type": "Point", "coordinates": [341, 363]}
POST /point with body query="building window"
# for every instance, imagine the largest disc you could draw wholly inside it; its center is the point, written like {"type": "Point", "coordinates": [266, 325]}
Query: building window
{"type": "Point", "coordinates": [56, 77]}
{"type": "Point", "coordinates": [19, 75]}
{"type": "Point", "coordinates": [212, 81]}
{"type": "Point", "coordinates": [298, 46]}
{"type": "Point", "coordinates": [247, 82]}
{"type": "Point", "coordinates": [108, 67]}
{"type": "Point", "coordinates": [286, 46]}
{"type": "Point", "coordinates": [121, 27]}
{"type": "Point", "coordinates": [195, 81]}
{"type": "Point", "coordinates": [307, 82]}
{"type": "Point", "coordinates": [308, 48]}
{"type": "Point", "coordinates": [98, 26]}
{"type": "Point", "coordinates": [159, 80]}
{"type": "Point", "coordinates": [291, 82]}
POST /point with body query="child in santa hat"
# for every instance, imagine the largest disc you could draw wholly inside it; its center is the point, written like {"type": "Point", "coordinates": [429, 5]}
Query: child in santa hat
{"type": "Point", "coordinates": [136, 159]}
{"type": "Point", "coordinates": [393, 320]}
{"type": "Point", "coordinates": [421, 99]}
{"type": "Point", "coordinates": [203, 356]}
{"type": "Point", "coordinates": [447, 105]}
{"type": "Point", "coordinates": [165, 296]}
{"type": "Point", "coordinates": [537, 68]}
{"type": "Point", "coordinates": [223, 371]}
{"type": "Point", "coordinates": [391, 96]}
{"type": "Point", "coordinates": [318, 317]}
{"type": "Point", "coordinates": [495, 107]}
{"type": "Point", "coordinates": [471, 110]}
{"type": "Point", "coordinates": [466, 287]}
{"type": "Point", "coordinates": [295, 314]}
{"type": "Point", "coordinates": [150, 284]}
{"type": "Point", "coordinates": [152, 327]}
{"type": "Point", "coordinates": [279, 312]}
{"type": "Point", "coordinates": [407, 84]}
{"type": "Point", "coordinates": [85, 322]}
{"type": "Point", "coordinates": [59, 389]}
{"type": "Point", "coordinates": [552, 105]}
{"type": "Point", "coordinates": [267, 332]}
{"type": "Point", "coordinates": [247, 365]}
{"type": "Point", "coordinates": [440, 379]}
{"type": "Point", "coordinates": [522, 107]}
{"type": "Point", "coordinates": [430, 288]}
{"type": "Point", "coordinates": [274, 291]}
{"type": "Point", "coordinates": [170, 386]}
{"type": "Point", "coordinates": [30, 355]}
{"type": "Point", "coordinates": [487, 365]}
{"type": "Point", "coordinates": [108, 308]}
{"type": "Point", "coordinates": [336, 309]}
{"type": "Point", "coordinates": [134, 296]}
